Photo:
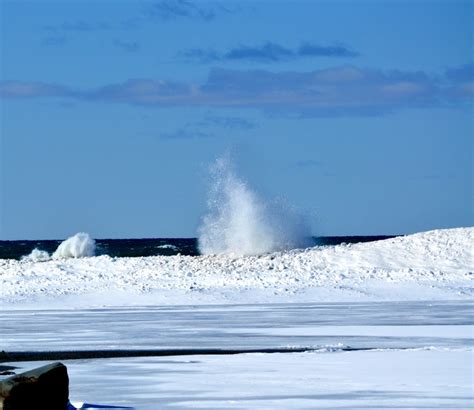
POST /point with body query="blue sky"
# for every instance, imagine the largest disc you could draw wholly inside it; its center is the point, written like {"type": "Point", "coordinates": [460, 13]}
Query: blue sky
{"type": "Point", "coordinates": [360, 113]}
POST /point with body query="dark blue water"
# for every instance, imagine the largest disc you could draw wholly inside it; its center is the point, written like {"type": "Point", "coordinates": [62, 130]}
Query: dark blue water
{"type": "Point", "coordinates": [147, 247]}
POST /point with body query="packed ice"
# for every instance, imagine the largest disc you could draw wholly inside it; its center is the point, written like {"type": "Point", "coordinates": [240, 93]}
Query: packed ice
{"type": "Point", "coordinates": [436, 264]}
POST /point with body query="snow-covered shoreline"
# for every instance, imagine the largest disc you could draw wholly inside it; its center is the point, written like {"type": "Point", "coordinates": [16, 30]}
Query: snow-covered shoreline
{"type": "Point", "coordinates": [430, 265]}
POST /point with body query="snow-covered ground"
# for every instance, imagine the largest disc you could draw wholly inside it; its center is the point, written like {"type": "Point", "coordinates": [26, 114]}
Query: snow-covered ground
{"type": "Point", "coordinates": [404, 307]}
{"type": "Point", "coordinates": [391, 380]}
{"type": "Point", "coordinates": [431, 265]}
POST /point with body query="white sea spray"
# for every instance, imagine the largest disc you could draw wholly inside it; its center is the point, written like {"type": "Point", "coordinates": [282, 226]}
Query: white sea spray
{"type": "Point", "coordinates": [239, 221]}
{"type": "Point", "coordinates": [36, 255]}
{"type": "Point", "coordinates": [78, 246]}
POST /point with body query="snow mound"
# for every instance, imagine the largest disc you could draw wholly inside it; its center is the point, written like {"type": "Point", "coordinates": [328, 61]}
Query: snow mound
{"type": "Point", "coordinates": [429, 265]}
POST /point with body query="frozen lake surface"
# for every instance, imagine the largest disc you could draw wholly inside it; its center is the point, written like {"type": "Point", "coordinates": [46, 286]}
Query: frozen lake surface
{"type": "Point", "coordinates": [419, 354]}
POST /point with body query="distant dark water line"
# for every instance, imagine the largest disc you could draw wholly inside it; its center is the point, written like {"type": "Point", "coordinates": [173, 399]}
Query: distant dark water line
{"type": "Point", "coordinates": [55, 355]}
{"type": "Point", "coordinates": [148, 247]}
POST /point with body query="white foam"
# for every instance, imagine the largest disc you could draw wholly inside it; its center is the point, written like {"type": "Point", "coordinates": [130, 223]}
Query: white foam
{"type": "Point", "coordinates": [168, 246]}
{"type": "Point", "coordinates": [36, 255]}
{"type": "Point", "coordinates": [241, 222]}
{"type": "Point", "coordinates": [78, 246]}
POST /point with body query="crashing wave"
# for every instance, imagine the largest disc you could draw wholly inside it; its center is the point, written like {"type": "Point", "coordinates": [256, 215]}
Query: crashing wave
{"type": "Point", "coordinates": [240, 222]}
{"type": "Point", "coordinates": [36, 255]}
{"type": "Point", "coordinates": [78, 246]}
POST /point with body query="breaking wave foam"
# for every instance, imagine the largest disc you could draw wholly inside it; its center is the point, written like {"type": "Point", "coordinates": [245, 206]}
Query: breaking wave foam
{"type": "Point", "coordinates": [240, 222]}
{"type": "Point", "coordinates": [36, 255]}
{"type": "Point", "coordinates": [78, 246]}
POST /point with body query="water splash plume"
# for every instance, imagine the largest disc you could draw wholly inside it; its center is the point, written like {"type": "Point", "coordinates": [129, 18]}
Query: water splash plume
{"type": "Point", "coordinates": [241, 222]}
{"type": "Point", "coordinates": [78, 246]}
{"type": "Point", "coordinates": [36, 255]}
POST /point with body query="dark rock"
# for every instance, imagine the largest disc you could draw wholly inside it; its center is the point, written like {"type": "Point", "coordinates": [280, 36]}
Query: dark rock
{"type": "Point", "coordinates": [4, 368]}
{"type": "Point", "coordinates": [45, 387]}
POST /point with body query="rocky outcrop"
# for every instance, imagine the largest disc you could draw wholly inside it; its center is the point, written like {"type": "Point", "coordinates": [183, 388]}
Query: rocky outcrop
{"type": "Point", "coordinates": [45, 387]}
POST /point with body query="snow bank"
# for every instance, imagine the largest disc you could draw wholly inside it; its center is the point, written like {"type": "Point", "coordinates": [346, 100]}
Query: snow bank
{"type": "Point", "coordinates": [435, 264]}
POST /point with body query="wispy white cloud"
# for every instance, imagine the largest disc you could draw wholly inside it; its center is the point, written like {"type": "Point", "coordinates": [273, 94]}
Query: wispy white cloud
{"type": "Point", "coordinates": [32, 89]}
{"type": "Point", "coordinates": [461, 81]}
{"type": "Point", "coordinates": [269, 52]}
{"type": "Point", "coordinates": [337, 91]}
{"type": "Point", "coordinates": [179, 9]}
{"type": "Point", "coordinates": [143, 92]}
{"type": "Point", "coordinates": [233, 123]}
{"type": "Point", "coordinates": [146, 13]}
{"type": "Point", "coordinates": [203, 128]}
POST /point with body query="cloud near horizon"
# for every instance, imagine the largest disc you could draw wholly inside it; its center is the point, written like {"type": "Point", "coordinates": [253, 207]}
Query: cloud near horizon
{"type": "Point", "coordinates": [269, 52]}
{"type": "Point", "coordinates": [32, 89]}
{"type": "Point", "coordinates": [337, 91]}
